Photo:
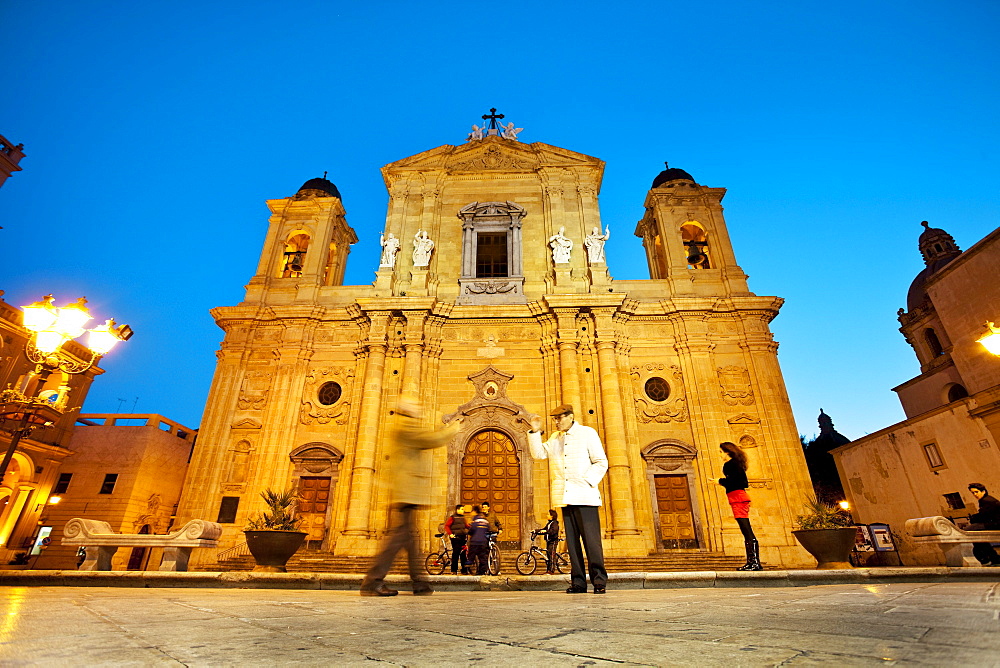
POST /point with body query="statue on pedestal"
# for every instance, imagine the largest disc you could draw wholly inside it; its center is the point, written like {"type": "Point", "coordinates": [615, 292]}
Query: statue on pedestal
{"type": "Point", "coordinates": [561, 247]}
{"type": "Point", "coordinates": [390, 246]}
{"type": "Point", "coordinates": [595, 244]}
{"type": "Point", "coordinates": [422, 247]}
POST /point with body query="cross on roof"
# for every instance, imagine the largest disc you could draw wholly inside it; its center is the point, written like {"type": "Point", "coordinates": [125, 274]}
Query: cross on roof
{"type": "Point", "coordinates": [492, 118]}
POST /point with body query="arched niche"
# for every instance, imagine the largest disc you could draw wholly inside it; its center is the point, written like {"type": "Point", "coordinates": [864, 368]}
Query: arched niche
{"type": "Point", "coordinates": [294, 258]}
{"type": "Point", "coordinates": [696, 244]}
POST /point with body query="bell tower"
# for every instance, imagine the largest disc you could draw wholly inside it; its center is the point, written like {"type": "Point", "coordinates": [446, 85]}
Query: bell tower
{"type": "Point", "coordinates": [306, 246]}
{"type": "Point", "coordinates": [686, 240]}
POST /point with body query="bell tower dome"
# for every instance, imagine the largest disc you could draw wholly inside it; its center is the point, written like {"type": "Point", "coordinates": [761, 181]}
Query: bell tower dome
{"type": "Point", "coordinates": [307, 244]}
{"type": "Point", "coordinates": [686, 240]}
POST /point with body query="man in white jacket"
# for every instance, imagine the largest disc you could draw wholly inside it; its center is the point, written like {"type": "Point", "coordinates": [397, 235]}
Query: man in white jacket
{"type": "Point", "coordinates": [577, 463]}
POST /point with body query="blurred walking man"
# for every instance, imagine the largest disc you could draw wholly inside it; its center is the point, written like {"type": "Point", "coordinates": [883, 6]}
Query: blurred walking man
{"type": "Point", "coordinates": [410, 470]}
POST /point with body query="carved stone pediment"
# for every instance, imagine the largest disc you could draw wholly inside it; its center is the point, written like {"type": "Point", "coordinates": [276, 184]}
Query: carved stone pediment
{"type": "Point", "coordinates": [491, 400]}
{"type": "Point", "coordinates": [492, 157]}
{"type": "Point", "coordinates": [743, 418]}
{"type": "Point", "coordinates": [246, 423]}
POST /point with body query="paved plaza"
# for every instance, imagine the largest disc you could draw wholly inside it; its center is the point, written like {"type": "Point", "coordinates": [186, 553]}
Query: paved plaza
{"type": "Point", "coordinates": [939, 624]}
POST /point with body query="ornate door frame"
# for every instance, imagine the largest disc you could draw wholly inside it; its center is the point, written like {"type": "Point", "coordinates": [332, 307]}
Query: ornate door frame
{"type": "Point", "coordinates": [318, 459]}
{"type": "Point", "coordinates": [673, 457]}
{"type": "Point", "coordinates": [491, 409]}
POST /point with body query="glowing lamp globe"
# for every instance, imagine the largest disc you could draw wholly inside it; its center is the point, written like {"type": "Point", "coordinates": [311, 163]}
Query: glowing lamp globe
{"type": "Point", "coordinates": [72, 318]}
{"type": "Point", "coordinates": [102, 339]}
{"type": "Point", "coordinates": [49, 341]}
{"type": "Point", "coordinates": [991, 340]}
{"type": "Point", "coordinates": [40, 315]}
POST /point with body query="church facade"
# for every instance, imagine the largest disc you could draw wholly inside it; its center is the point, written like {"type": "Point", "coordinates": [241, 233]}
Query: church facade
{"type": "Point", "coordinates": [493, 300]}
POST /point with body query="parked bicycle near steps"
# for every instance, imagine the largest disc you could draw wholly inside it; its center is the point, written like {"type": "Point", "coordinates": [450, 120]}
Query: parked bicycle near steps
{"type": "Point", "coordinates": [527, 562]}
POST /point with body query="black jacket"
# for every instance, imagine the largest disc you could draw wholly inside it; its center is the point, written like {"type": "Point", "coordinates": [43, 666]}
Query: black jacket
{"type": "Point", "coordinates": [989, 513]}
{"type": "Point", "coordinates": [552, 531]}
{"type": "Point", "coordinates": [736, 477]}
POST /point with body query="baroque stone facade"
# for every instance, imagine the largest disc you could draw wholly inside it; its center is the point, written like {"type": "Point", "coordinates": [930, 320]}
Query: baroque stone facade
{"type": "Point", "coordinates": [507, 318]}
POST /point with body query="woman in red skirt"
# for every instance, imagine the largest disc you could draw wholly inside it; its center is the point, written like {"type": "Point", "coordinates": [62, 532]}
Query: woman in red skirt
{"type": "Point", "coordinates": [735, 482]}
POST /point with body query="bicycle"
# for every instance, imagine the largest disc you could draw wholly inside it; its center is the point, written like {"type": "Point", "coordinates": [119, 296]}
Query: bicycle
{"type": "Point", "coordinates": [493, 560]}
{"type": "Point", "coordinates": [436, 562]}
{"type": "Point", "coordinates": [527, 562]}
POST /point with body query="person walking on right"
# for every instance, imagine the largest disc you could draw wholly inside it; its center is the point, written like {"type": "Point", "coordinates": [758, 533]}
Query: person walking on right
{"type": "Point", "coordinates": [551, 542]}
{"type": "Point", "coordinates": [987, 518]}
{"type": "Point", "coordinates": [736, 483]}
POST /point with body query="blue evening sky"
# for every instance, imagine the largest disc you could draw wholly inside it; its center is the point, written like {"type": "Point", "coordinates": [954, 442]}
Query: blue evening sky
{"type": "Point", "coordinates": [154, 132]}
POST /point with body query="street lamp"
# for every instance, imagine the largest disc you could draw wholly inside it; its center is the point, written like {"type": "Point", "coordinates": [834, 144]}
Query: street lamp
{"type": "Point", "coordinates": [991, 339]}
{"type": "Point", "coordinates": [50, 328]}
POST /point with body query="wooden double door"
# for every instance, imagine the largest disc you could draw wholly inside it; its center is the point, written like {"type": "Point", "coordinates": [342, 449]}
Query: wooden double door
{"type": "Point", "coordinates": [314, 499]}
{"type": "Point", "coordinates": [491, 472]}
{"type": "Point", "coordinates": [676, 517]}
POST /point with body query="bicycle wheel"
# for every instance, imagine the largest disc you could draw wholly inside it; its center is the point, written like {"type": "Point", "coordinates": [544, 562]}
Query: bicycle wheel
{"type": "Point", "coordinates": [435, 563]}
{"type": "Point", "coordinates": [493, 565]}
{"type": "Point", "coordinates": [562, 562]}
{"type": "Point", "coordinates": [526, 563]}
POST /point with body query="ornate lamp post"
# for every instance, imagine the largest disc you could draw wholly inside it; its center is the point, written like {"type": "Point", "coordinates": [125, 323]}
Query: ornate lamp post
{"type": "Point", "coordinates": [991, 339]}
{"type": "Point", "coordinates": [50, 328]}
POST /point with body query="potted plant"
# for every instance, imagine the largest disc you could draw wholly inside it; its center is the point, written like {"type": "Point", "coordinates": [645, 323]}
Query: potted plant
{"type": "Point", "coordinates": [827, 533]}
{"type": "Point", "coordinates": [273, 536]}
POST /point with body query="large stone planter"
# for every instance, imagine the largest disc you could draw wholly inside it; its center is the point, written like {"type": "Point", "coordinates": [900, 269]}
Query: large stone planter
{"type": "Point", "coordinates": [272, 549]}
{"type": "Point", "coordinates": [830, 547]}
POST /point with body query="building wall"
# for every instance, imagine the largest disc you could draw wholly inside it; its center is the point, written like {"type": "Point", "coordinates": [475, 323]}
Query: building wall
{"type": "Point", "coordinates": [35, 466]}
{"type": "Point", "coordinates": [570, 333]}
{"type": "Point", "coordinates": [150, 455]}
{"type": "Point", "coordinates": [890, 476]}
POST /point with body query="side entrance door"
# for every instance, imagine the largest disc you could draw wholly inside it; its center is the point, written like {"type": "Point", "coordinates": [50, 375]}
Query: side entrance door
{"type": "Point", "coordinates": [673, 504]}
{"type": "Point", "coordinates": [314, 497]}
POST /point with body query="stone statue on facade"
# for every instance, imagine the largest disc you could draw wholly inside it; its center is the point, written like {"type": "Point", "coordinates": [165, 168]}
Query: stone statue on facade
{"type": "Point", "coordinates": [422, 247]}
{"type": "Point", "coordinates": [477, 133]}
{"type": "Point", "coordinates": [561, 247]}
{"type": "Point", "coordinates": [390, 246]}
{"type": "Point", "coordinates": [510, 132]}
{"type": "Point", "coordinates": [595, 244]}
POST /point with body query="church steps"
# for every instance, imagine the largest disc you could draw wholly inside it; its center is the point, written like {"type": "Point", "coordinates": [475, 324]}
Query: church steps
{"type": "Point", "coordinates": [308, 561]}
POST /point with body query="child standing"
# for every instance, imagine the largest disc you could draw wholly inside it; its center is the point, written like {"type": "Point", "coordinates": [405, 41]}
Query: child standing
{"type": "Point", "coordinates": [479, 544]}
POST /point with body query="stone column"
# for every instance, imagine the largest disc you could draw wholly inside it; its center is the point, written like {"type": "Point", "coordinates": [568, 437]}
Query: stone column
{"type": "Point", "coordinates": [566, 342]}
{"type": "Point", "coordinates": [363, 472]}
{"type": "Point", "coordinates": [622, 507]}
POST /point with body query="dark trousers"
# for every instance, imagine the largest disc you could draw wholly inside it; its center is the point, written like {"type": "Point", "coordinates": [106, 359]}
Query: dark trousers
{"type": "Point", "coordinates": [457, 553]}
{"type": "Point", "coordinates": [399, 537]}
{"type": "Point", "coordinates": [550, 555]}
{"type": "Point", "coordinates": [478, 556]}
{"type": "Point", "coordinates": [583, 532]}
{"type": "Point", "coordinates": [984, 552]}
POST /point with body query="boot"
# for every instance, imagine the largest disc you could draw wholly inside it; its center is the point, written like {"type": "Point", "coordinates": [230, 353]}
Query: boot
{"type": "Point", "coordinates": [753, 557]}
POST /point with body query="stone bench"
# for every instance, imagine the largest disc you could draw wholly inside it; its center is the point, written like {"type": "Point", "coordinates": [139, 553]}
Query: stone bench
{"type": "Point", "coordinates": [101, 542]}
{"type": "Point", "coordinates": [955, 543]}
